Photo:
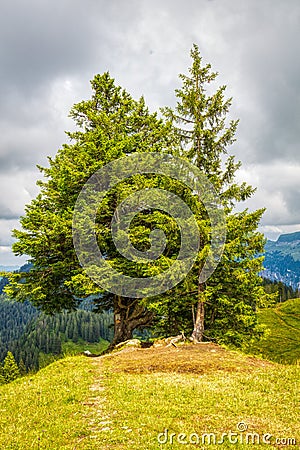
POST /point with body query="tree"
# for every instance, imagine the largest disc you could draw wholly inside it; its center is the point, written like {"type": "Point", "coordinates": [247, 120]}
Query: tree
{"type": "Point", "coordinates": [22, 367]}
{"type": "Point", "coordinates": [10, 368]}
{"type": "Point", "coordinates": [2, 378]}
{"type": "Point", "coordinates": [232, 293]}
{"type": "Point", "coordinates": [111, 125]}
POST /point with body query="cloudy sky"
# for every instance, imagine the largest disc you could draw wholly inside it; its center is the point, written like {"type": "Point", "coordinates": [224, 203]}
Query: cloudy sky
{"type": "Point", "coordinates": [49, 50]}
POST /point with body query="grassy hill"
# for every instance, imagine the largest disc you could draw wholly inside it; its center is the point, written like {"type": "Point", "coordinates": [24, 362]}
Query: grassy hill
{"type": "Point", "coordinates": [70, 348]}
{"type": "Point", "coordinates": [126, 400]}
{"type": "Point", "coordinates": [282, 343]}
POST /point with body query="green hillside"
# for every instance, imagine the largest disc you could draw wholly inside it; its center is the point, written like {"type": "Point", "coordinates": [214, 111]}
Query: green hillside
{"type": "Point", "coordinates": [282, 343]}
{"type": "Point", "coordinates": [36, 339]}
{"type": "Point", "coordinates": [127, 399]}
{"type": "Point", "coordinates": [45, 411]}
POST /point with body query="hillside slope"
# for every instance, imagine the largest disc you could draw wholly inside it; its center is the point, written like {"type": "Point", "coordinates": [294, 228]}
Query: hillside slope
{"type": "Point", "coordinates": [35, 339]}
{"type": "Point", "coordinates": [282, 343]}
{"type": "Point", "coordinates": [136, 398]}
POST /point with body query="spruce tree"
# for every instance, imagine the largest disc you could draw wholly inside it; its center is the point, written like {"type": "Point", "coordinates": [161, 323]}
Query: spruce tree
{"type": "Point", "coordinates": [110, 125]}
{"type": "Point", "coordinates": [22, 367]}
{"type": "Point", "coordinates": [10, 368]}
{"type": "Point", "coordinates": [2, 377]}
{"type": "Point", "coordinates": [226, 303]}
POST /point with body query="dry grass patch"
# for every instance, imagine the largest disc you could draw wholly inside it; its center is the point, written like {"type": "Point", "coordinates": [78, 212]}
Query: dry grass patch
{"type": "Point", "coordinates": [189, 358]}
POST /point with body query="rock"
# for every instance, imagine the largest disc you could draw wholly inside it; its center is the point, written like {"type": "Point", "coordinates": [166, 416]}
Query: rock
{"type": "Point", "coordinates": [88, 353]}
{"type": "Point", "coordinates": [132, 343]}
{"type": "Point", "coordinates": [170, 341]}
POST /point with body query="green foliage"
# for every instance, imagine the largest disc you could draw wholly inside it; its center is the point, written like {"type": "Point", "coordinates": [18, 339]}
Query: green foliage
{"type": "Point", "coordinates": [36, 339]}
{"type": "Point", "coordinates": [50, 335]}
{"type": "Point", "coordinates": [2, 377]}
{"type": "Point", "coordinates": [112, 125]}
{"type": "Point", "coordinates": [233, 293]}
{"type": "Point", "coordinates": [14, 317]}
{"type": "Point", "coordinates": [281, 290]}
{"type": "Point", "coordinates": [3, 283]}
{"type": "Point", "coordinates": [10, 368]}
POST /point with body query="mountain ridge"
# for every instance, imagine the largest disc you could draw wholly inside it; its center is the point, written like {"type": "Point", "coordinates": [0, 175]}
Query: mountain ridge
{"type": "Point", "coordinates": [282, 259]}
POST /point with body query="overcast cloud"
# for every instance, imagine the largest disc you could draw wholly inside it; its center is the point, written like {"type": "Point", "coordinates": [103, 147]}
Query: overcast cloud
{"type": "Point", "coordinates": [49, 50]}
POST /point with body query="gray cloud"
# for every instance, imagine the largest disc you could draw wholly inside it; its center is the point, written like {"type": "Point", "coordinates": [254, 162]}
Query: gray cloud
{"type": "Point", "coordinates": [50, 50]}
{"type": "Point", "coordinates": [6, 225]}
{"type": "Point", "coordinates": [44, 40]}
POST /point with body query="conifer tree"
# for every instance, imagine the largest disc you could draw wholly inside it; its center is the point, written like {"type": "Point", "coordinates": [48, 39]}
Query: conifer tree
{"type": "Point", "coordinates": [111, 125]}
{"type": "Point", "coordinates": [2, 377]}
{"type": "Point", "coordinates": [226, 303]}
{"type": "Point", "coordinates": [10, 368]}
{"type": "Point", "coordinates": [22, 367]}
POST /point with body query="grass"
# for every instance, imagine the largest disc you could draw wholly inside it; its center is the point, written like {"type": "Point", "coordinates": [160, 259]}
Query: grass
{"type": "Point", "coordinates": [282, 343]}
{"type": "Point", "coordinates": [146, 393]}
{"type": "Point", "coordinates": [70, 348]}
{"type": "Point", "coordinates": [126, 399]}
{"type": "Point", "coordinates": [74, 348]}
{"type": "Point", "coordinates": [46, 410]}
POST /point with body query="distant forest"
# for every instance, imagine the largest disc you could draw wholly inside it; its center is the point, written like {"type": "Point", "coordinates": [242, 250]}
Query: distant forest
{"type": "Point", "coordinates": [29, 334]}
{"type": "Point", "coordinates": [284, 292]}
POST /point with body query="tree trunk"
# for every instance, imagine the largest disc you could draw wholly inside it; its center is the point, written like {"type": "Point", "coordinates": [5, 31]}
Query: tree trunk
{"type": "Point", "coordinates": [128, 315]}
{"type": "Point", "coordinates": [198, 332]}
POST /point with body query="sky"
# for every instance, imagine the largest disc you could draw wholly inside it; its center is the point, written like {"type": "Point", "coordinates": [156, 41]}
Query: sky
{"type": "Point", "coordinates": [50, 50]}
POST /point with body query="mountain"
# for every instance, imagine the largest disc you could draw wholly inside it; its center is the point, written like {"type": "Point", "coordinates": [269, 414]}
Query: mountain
{"type": "Point", "coordinates": [4, 280]}
{"type": "Point", "coordinates": [9, 268]}
{"type": "Point", "coordinates": [282, 259]}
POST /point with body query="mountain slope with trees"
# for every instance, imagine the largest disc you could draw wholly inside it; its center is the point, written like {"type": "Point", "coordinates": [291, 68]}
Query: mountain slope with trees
{"type": "Point", "coordinates": [35, 338]}
{"type": "Point", "coordinates": [14, 317]}
{"type": "Point", "coordinates": [282, 260]}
